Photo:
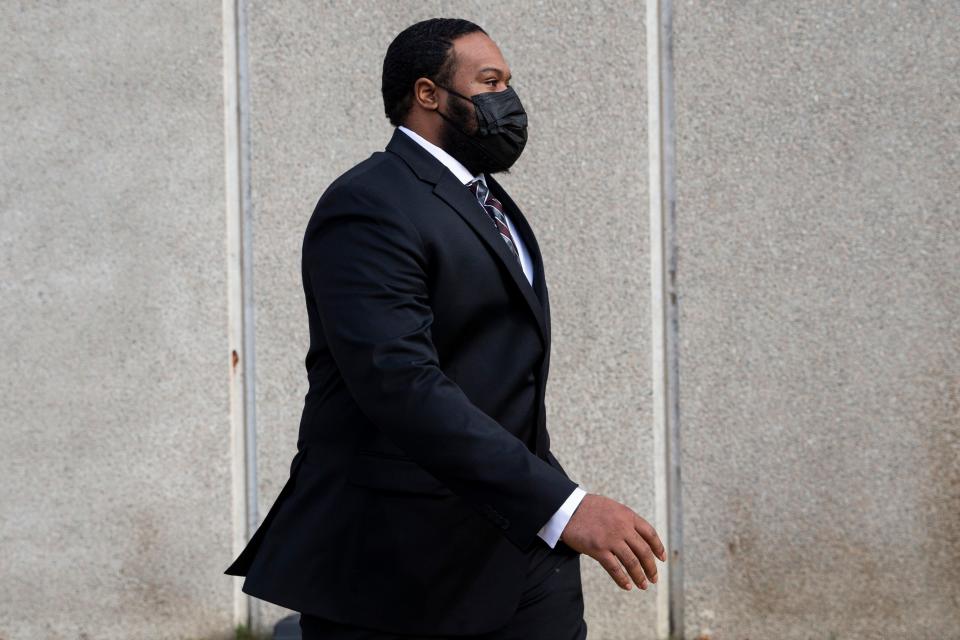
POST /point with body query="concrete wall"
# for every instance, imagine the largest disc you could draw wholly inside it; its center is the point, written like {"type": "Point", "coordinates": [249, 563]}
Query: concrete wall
{"type": "Point", "coordinates": [818, 258]}
{"type": "Point", "coordinates": [819, 280]}
{"type": "Point", "coordinates": [115, 499]}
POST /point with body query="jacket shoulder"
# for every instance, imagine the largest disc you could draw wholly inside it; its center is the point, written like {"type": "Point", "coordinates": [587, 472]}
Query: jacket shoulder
{"type": "Point", "coordinates": [382, 173]}
{"type": "Point", "coordinates": [374, 189]}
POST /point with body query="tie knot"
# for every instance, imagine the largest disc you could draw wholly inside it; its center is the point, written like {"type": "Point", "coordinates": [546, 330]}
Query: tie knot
{"type": "Point", "coordinates": [478, 188]}
{"type": "Point", "coordinates": [495, 210]}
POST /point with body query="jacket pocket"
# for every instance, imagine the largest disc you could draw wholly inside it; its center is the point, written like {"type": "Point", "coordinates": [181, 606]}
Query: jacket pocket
{"type": "Point", "coordinates": [391, 473]}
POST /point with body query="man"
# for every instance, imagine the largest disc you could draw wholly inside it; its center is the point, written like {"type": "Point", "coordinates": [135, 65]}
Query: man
{"type": "Point", "coordinates": [424, 499]}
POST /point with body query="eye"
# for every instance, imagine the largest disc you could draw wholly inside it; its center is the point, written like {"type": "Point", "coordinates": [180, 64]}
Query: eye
{"type": "Point", "coordinates": [492, 82]}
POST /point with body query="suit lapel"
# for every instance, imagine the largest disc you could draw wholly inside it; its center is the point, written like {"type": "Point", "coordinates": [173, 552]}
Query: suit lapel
{"type": "Point", "coordinates": [449, 189]}
{"type": "Point", "coordinates": [530, 241]}
{"type": "Point", "coordinates": [452, 191]}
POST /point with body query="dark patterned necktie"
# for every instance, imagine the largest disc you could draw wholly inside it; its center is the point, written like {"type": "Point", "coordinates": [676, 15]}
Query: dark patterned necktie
{"type": "Point", "coordinates": [493, 207]}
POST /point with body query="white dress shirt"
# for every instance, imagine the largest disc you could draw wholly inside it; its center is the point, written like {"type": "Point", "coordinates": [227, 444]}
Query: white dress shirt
{"type": "Point", "coordinates": [550, 532]}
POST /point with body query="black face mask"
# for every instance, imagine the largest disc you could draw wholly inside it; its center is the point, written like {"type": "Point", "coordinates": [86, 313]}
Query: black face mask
{"type": "Point", "coordinates": [500, 136]}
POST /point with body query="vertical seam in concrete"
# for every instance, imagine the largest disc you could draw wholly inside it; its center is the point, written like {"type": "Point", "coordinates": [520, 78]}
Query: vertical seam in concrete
{"type": "Point", "coordinates": [666, 410]}
{"type": "Point", "coordinates": [243, 450]}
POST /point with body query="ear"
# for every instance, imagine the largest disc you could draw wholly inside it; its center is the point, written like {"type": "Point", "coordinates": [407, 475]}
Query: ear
{"type": "Point", "coordinates": [425, 94]}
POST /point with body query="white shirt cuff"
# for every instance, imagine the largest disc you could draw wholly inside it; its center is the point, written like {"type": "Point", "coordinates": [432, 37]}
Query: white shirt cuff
{"type": "Point", "coordinates": [550, 532]}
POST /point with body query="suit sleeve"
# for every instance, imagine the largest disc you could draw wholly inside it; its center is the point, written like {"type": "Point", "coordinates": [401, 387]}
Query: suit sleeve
{"type": "Point", "coordinates": [365, 265]}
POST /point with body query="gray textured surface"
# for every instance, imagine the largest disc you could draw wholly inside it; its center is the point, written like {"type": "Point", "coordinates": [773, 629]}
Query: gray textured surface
{"type": "Point", "coordinates": [114, 504]}
{"type": "Point", "coordinates": [819, 277]}
{"type": "Point", "coordinates": [317, 110]}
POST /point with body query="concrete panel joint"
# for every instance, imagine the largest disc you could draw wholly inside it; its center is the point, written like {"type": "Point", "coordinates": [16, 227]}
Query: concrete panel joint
{"type": "Point", "coordinates": [663, 305]}
{"type": "Point", "coordinates": [236, 93]}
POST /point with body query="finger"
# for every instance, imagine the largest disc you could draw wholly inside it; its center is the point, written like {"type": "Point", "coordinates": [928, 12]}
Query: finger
{"type": "Point", "coordinates": [631, 563]}
{"type": "Point", "coordinates": [643, 552]}
{"type": "Point", "coordinates": [609, 562]}
{"type": "Point", "coordinates": [649, 534]}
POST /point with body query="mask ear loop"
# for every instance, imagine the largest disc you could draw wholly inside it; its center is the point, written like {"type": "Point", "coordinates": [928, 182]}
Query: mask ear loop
{"type": "Point", "coordinates": [449, 90]}
{"type": "Point", "coordinates": [476, 114]}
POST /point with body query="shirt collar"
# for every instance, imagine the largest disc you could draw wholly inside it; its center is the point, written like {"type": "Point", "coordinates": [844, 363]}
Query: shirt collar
{"type": "Point", "coordinates": [455, 166]}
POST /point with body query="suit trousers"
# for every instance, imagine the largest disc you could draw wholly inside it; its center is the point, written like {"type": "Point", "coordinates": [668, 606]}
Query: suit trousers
{"type": "Point", "coordinates": [551, 607]}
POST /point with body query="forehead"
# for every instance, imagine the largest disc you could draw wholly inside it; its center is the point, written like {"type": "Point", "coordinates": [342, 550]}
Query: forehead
{"type": "Point", "coordinates": [476, 51]}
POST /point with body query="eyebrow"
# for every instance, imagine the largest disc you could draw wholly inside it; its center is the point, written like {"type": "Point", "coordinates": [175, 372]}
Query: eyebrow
{"type": "Point", "coordinates": [499, 71]}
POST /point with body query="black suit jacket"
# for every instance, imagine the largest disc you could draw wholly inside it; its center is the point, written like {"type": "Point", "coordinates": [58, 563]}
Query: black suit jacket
{"type": "Point", "coordinates": [423, 471]}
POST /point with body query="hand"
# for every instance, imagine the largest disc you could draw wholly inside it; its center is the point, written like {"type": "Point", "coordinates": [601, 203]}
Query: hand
{"type": "Point", "coordinates": [613, 534]}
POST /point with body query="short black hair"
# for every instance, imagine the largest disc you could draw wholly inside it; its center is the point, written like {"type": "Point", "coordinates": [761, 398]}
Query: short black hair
{"type": "Point", "coordinates": [422, 50]}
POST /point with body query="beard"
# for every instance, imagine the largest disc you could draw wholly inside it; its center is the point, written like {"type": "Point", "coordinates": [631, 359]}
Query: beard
{"type": "Point", "coordinates": [461, 145]}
